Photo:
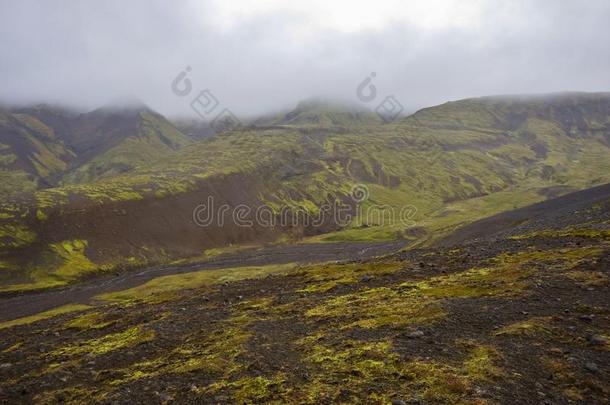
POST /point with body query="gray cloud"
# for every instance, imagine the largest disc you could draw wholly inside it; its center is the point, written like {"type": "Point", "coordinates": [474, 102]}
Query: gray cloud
{"type": "Point", "coordinates": [89, 53]}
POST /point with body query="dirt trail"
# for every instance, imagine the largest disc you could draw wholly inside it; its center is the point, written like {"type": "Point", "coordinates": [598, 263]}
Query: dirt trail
{"type": "Point", "coordinates": [35, 302]}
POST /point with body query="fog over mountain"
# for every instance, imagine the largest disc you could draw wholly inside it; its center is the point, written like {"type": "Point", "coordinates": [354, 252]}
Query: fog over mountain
{"type": "Point", "coordinates": [264, 58]}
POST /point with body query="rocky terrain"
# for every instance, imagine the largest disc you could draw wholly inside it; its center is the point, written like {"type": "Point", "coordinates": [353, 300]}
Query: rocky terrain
{"type": "Point", "coordinates": [514, 317]}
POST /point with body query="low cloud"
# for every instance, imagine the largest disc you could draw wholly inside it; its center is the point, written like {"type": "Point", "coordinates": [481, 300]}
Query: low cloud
{"type": "Point", "coordinates": [256, 60]}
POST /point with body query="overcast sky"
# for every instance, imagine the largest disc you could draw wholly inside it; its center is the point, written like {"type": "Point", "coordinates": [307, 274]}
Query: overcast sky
{"type": "Point", "coordinates": [257, 56]}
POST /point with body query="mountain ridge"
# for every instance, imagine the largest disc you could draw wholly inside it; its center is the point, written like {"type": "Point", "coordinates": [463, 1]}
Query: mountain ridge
{"type": "Point", "coordinates": [87, 146]}
{"type": "Point", "coordinates": [443, 163]}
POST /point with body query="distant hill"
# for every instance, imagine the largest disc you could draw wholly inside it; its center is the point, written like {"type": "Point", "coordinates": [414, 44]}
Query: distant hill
{"type": "Point", "coordinates": [195, 129]}
{"type": "Point", "coordinates": [322, 113]}
{"type": "Point", "coordinates": [46, 145]}
{"type": "Point", "coordinates": [575, 114]}
{"type": "Point", "coordinates": [32, 154]}
{"type": "Point", "coordinates": [109, 141]}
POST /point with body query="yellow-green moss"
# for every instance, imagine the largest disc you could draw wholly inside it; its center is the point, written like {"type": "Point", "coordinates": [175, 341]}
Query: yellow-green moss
{"type": "Point", "coordinates": [93, 320]}
{"type": "Point", "coordinates": [357, 371]}
{"type": "Point", "coordinates": [588, 278]}
{"type": "Point", "coordinates": [498, 281]}
{"type": "Point", "coordinates": [115, 341]}
{"type": "Point", "coordinates": [14, 236]}
{"type": "Point", "coordinates": [247, 390]}
{"type": "Point", "coordinates": [218, 352]}
{"type": "Point", "coordinates": [529, 327]}
{"type": "Point", "coordinates": [163, 288]}
{"type": "Point", "coordinates": [376, 307]}
{"type": "Point", "coordinates": [73, 395]}
{"type": "Point", "coordinates": [7, 159]}
{"type": "Point", "coordinates": [75, 262]}
{"type": "Point", "coordinates": [13, 347]}
{"type": "Point", "coordinates": [41, 216]}
{"type": "Point", "coordinates": [481, 363]}
{"type": "Point", "coordinates": [324, 277]}
{"type": "Point", "coordinates": [44, 315]}
{"type": "Point", "coordinates": [554, 259]}
{"type": "Point", "coordinates": [417, 302]}
{"type": "Point", "coordinates": [353, 368]}
{"type": "Point", "coordinates": [43, 281]}
{"type": "Point", "coordinates": [51, 198]}
{"type": "Point", "coordinates": [420, 302]}
{"type": "Point", "coordinates": [215, 252]}
{"type": "Point", "coordinates": [567, 233]}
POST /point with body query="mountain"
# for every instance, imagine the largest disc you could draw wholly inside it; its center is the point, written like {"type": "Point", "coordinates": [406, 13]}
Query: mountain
{"type": "Point", "coordinates": [575, 114]}
{"type": "Point", "coordinates": [445, 166]}
{"type": "Point", "coordinates": [108, 141]}
{"type": "Point", "coordinates": [32, 153]}
{"type": "Point", "coordinates": [46, 145]}
{"type": "Point", "coordinates": [321, 113]}
{"type": "Point", "coordinates": [57, 118]}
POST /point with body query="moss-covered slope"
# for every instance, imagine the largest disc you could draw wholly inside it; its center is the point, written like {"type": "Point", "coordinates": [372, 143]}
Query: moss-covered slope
{"type": "Point", "coordinates": [453, 164]}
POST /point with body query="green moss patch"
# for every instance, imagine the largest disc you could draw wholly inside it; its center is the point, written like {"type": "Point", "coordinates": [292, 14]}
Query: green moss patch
{"type": "Point", "coordinates": [588, 278]}
{"type": "Point", "coordinates": [355, 371]}
{"type": "Point", "coordinates": [93, 320]}
{"type": "Point", "coordinates": [14, 236]}
{"type": "Point", "coordinates": [164, 288]}
{"type": "Point", "coordinates": [75, 262]}
{"type": "Point", "coordinates": [105, 344]}
{"type": "Point", "coordinates": [218, 352]}
{"type": "Point", "coordinates": [529, 327]}
{"type": "Point", "coordinates": [324, 277]}
{"type": "Point", "coordinates": [376, 307]}
{"type": "Point", "coordinates": [44, 315]}
{"type": "Point", "coordinates": [567, 233]}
